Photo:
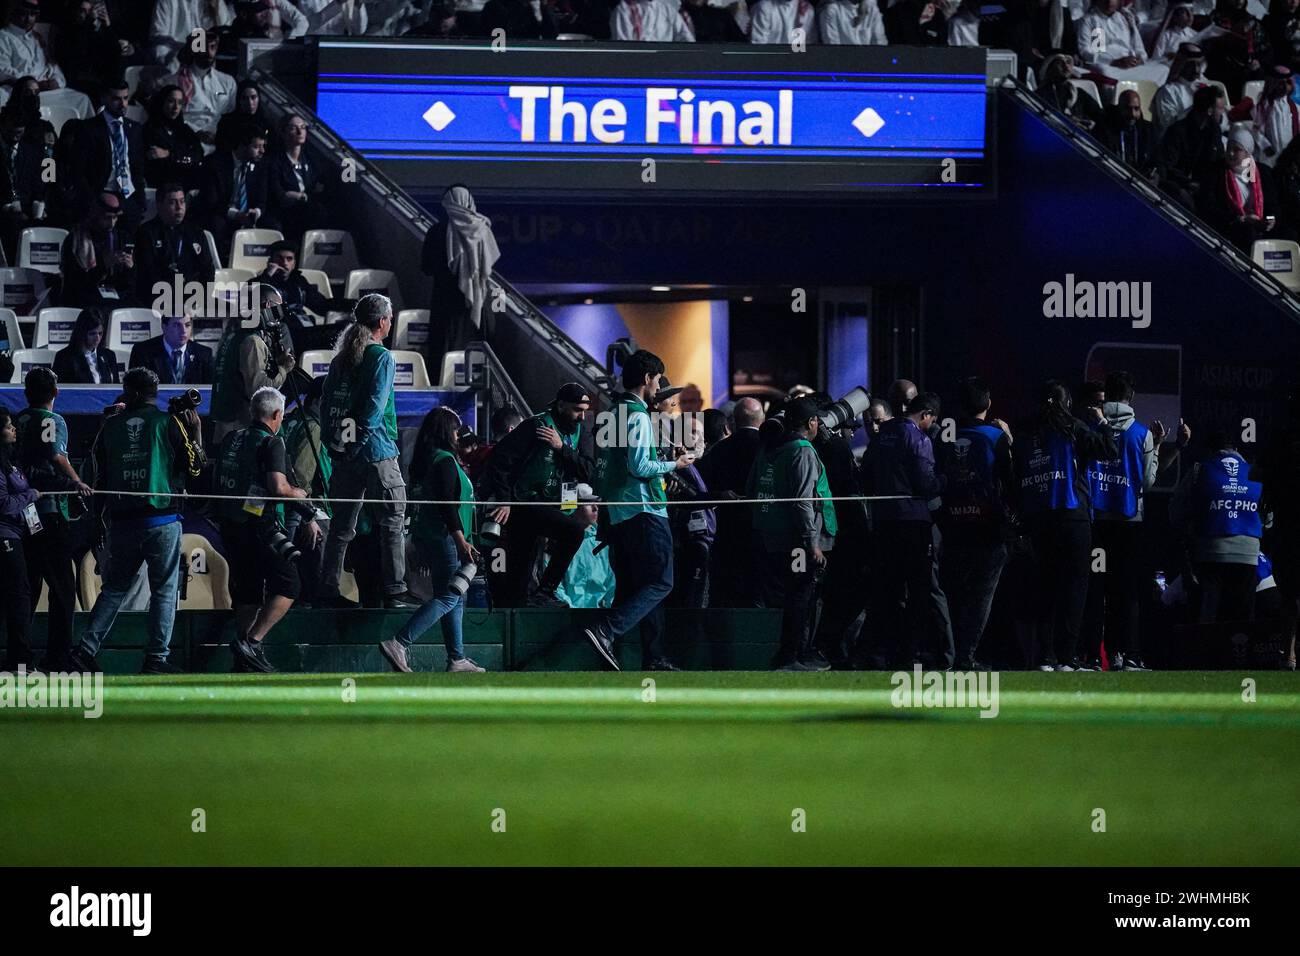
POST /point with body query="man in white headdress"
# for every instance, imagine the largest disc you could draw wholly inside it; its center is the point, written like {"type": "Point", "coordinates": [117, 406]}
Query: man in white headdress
{"type": "Point", "coordinates": [1174, 31]}
{"type": "Point", "coordinates": [1108, 36]}
{"type": "Point", "coordinates": [1174, 99]}
{"type": "Point", "coordinates": [1275, 114]}
{"type": "Point", "coordinates": [650, 21]}
{"type": "Point", "coordinates": [852, 22]}
{"type": "Point", "coordinates": [774, 21]}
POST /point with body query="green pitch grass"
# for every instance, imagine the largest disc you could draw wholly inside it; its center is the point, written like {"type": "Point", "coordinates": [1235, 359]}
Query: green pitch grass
{"type": "Point", "coordinates": [588, 772]}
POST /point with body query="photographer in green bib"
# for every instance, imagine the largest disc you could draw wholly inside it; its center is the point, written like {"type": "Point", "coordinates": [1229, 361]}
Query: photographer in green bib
{"type": "Point", "coordinates": [143, 456]}
{"type": "Point", "coordinates": [441, 534]}
{"type": "Point", "coordinates": [255, 351]}
{"type": "Point", "coordinates": [795, 534]}
{"type": "Point", "coordinates": [535, 462]}
{"type": "Point", "coordinates": [630, 471]}
{"type": "Point", "coordinates": [264, 577]}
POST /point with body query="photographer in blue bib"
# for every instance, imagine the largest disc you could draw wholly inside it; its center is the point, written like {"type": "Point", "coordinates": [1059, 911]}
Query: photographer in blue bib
{"type": "Point", "coordinates": [795, 535]}
{"type": "Point", "coordinates": [1119, 490]}
{"type": "Point", "coordinates": [360, 426]}
{"type": "Point", "coordinates": [1217, 506]}
{"type": "Point", "coordinates": [629, 469]}
{"type": "Point", "coordinates": [148, 453]}
{"type": "Point", "coordinates": [1053, 499]}
{"type": "Point", "coordinates": [535, 462]}
{"type": "Point", "coordinates": [441, 534]}
{"type": "Point", "coordinates": [264, 579]}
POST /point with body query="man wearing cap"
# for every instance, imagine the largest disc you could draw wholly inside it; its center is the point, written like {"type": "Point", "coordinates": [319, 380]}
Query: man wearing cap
{"type": "Point", "coordinates": [795, 535]}
{"type": "Point", "coordinates": [541, 460]}
{"type": "Point", "coordinates": [282, 274]}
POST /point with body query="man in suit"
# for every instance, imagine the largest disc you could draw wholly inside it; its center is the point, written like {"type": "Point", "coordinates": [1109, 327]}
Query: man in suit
{"type": "Point", "coordinates": [22, 190]}
{"type": "Point", "coordinates": [168, 246]}
{"type": "Point", "coordinates": [725, 467]}
{"type": "Point", "coordinates": [105, 152]}
{"type": "Point", "coordinates": [234, 186]}
{"type": "Point", "coordinates": [172, 356]}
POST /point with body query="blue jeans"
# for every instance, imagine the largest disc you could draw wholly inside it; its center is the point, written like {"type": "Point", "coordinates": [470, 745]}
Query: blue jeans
{"type": "Point", "coordinates": [641, 553]}
{"type": "Point", "coordinates": [446, 605]}
{"type": "Point", "coordinates": [159, 549]}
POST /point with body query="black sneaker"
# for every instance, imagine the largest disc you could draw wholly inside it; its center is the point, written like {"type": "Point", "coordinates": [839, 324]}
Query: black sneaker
{"type": "Point", "coordinates": [248, 657]}
{"type": "Point", "coordinates": [1092, 664]}
{"type": "Point", "coordinates": [159, 666]}
{"type": "Point", "coordinates": [1135, 664]}
{"type": "Point", "coordinates": [82, 663]}
{"type": "Point", "coordinates": [815, 661]}
{"type": "Point", "coordinates": [259, 651]}
{"type": "Point", "coordinates": [662, 664]}
{"type": "Point", "coordinates": [971, 664]}
{"type": "Point", "coordinates": [603, 643]}
{"type": "Point", "coordinates": [546, 599]}
{"type": "Point", "coordinates": [400, 602]}
{"type": "Point", "coordinates": [795, 665]}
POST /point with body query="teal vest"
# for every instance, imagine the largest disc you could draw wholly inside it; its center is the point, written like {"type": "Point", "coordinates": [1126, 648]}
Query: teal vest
{"type": "Point", "coordinates": [540, 478]}
{"type": "Point", "coordinates": [427, 526]}
{"type": "Point", "coordinates": [139, 457]}
{"type": "Point", "coordinates": [776, 519]}
{"type": "Point", "coordinates": [613, 480]}
{"type": "Point", "coordinates": [237, 474]}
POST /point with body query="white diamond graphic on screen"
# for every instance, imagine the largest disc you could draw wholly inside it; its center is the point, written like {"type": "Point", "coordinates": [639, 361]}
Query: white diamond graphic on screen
{"type": "Point", "coordinates": [868, 122]}
{"type": "Point", "coordinates": [438, 116]}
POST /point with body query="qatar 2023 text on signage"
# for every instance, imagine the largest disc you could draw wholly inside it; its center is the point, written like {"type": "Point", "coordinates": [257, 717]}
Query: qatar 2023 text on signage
{"type": "Point", "coordinates": [584, 118]}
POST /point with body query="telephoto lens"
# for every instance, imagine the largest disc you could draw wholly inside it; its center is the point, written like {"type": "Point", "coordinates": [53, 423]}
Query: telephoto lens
{"type": "Point", "coordinates": [185, 401]}
{"type": "Point", "coordinates": [851, 406]}
{"type": "Point", "coordinates": [463, 576]}
{"type": "Point", "coordinates": [489, 532]}
{"type": "Point", "coordinates": [283, 545]}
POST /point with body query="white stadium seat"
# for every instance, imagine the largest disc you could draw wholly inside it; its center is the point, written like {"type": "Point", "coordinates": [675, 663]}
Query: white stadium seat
{"type": "Point", "coordinates": [411, 329]}
{"type": "Point", "coordinates": [126, 327]}
{"type": "Point", "coordinates": [27, 359]}
{"type": "Point", "coordinates": [451, 361]}
{"type": "Point", "coordinates": [1089, 87]}
{"type": "Point", "coordinates": [411, 371]}
{"type": "Point", "coordinates": [316, 362]}
{"type": "Point", "coordinates": [41, 247]}
{"type": "Point", "coordinates": [248, 248]}
{"type": "Point", "coordinates": [330, 250]}
{"type": "Point", "coordinates": [364, 281]}
{"type": "Point", "coordinates": [23, 290]}
{"type": "Point", "coordinates": [54, 327]}
{"type": "Point", "coordinates": [11, 333]}
{"type": "Point", "coordinates": [1280, 258]}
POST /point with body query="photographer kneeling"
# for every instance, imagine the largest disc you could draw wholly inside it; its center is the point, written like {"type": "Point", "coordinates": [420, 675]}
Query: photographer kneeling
{"type": "Point", "coordinates": [254, 352]}
{"type": "Point", "coordinates": [264, 580]}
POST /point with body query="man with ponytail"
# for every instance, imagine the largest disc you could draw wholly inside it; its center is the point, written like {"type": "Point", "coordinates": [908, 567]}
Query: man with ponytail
{"type": "Point", "coordinates": [360, 428]}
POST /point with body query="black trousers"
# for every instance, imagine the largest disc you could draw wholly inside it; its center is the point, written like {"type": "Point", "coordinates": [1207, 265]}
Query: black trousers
{"type": "Point", "coordinates": [844, 599]}
{"type": "Point", "coordinates": [910, 612]}
{"type": "Point", "coordinates": [527, 526]}
{"type": "Point", "coordinates": [798, 594]}
{"type": "Point", "coordinates": [1227, 591]}
{"type": "Point", "coordinates": [49, 561]}
{"type": "Point", "coordinates": [1121, 586]}
{"type": "Point", "coordinates": [734, 564]}
{"type": "Point", "coordinates": [1062, 555]}
{"type": "Point", "coordinates": [690, 572]}
{"type": "Point", "coordinates": [16, 604]}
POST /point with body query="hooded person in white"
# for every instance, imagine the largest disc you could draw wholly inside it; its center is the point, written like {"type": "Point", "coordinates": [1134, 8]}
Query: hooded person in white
{"type": "Point", "coordinates": [1173, 100]}
{"type": "Point", "coordinates": [1275, 115]}
{"type": "Point", "coordinates": [1174, 31]}
{"type": "Point", "coordinates": [174, 20]}
{"type": "Point", "coordinates": [652, 21]}
{"type": "Point", "coordinates": [1108, 36]}
{"type": "Point", "coordinates": [774, 21]}
{"type": "Point", "coordinates": [963, 22]}
{"type": "Point", "coordinates": [471, 249]}
{"type": "Point", "coordinates": [852, 23]}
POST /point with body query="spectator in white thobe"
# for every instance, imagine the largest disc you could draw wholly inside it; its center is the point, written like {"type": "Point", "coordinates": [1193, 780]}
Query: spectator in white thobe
{"type": "Point", "coordinates": [209, 93]}
{"type": "Point", "coordinates": [22, 51]}
{"type": "Point", "coordinates": [1174, 32]}
{"type": "Point", "coordinates": [1173, 100]}
{"type": "Point", "coordinates": [852, 22]}
{"type": "Point", "coordinates": [174, 21]}
{"type": "Point", "coordinates": [1275, 115]}
{"type": "Point", "coordinates": [1108, 36]}
{"type": "Point", "coordinates": [343, 17]}
{"type": "Point", "coordinates": [774, 21]}
{"type": "Point", "coordinates": [650, 20]}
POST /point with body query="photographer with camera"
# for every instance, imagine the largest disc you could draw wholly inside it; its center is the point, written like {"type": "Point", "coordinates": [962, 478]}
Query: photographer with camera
{"type": "Point", "coordinates": [535, 462]}
{"type": "Point", "coordinates": [264, 579]}
{"type": "Point", "coordinates": [142, 458]}
{"type": "Point", "coordinates": [254, 352]}
{"type": "Point", "coordinates": [361, 434]}
{"type": "Point", "coordinates": [441, 534]}
{"type": "Point", "coordinates": [795, 535]}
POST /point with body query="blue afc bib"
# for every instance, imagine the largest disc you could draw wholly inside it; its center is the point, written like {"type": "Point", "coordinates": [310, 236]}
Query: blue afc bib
{"type": "Point", "coordinates": [971, 495]}
{"type": "Point", "coordinates": [1114, 484]}
{"type": "Point", "coordinates": [1048, 482]}
{"type": "Point", "coordinates": [1228, 499]}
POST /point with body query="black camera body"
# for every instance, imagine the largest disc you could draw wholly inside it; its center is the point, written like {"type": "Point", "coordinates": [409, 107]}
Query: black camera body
{"type": "Point", "coordinates": [186, 401]}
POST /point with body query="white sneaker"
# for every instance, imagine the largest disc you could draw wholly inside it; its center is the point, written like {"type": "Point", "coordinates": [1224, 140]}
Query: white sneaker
{"type": "Point", "coordinates": [1046, 667]}
{"type": "Point", "coordinates": [464, 666]}
{"type": "Point", "coordinates": [1065, 668]}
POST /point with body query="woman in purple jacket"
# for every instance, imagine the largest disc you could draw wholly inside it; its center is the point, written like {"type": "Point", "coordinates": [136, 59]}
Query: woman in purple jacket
{"type": "Point", "coordinates": [15, 598]}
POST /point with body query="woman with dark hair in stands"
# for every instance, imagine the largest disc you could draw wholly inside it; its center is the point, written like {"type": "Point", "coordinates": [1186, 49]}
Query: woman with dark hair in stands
{"type": "Point", "coordinates": [441, 536]}
{"type": "Point", "coordinates": [16, 496]}
{"type": "Point", "coordinates": [86, 360]}
{"type": "Point", "coordinates": [1051, 454]}
{"type": "Point", "coordinates": [295, 184]}
{"type": "Point", "coordinates": [247, 111]}
{"type": "Point", "coordinates": [173, 150]}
